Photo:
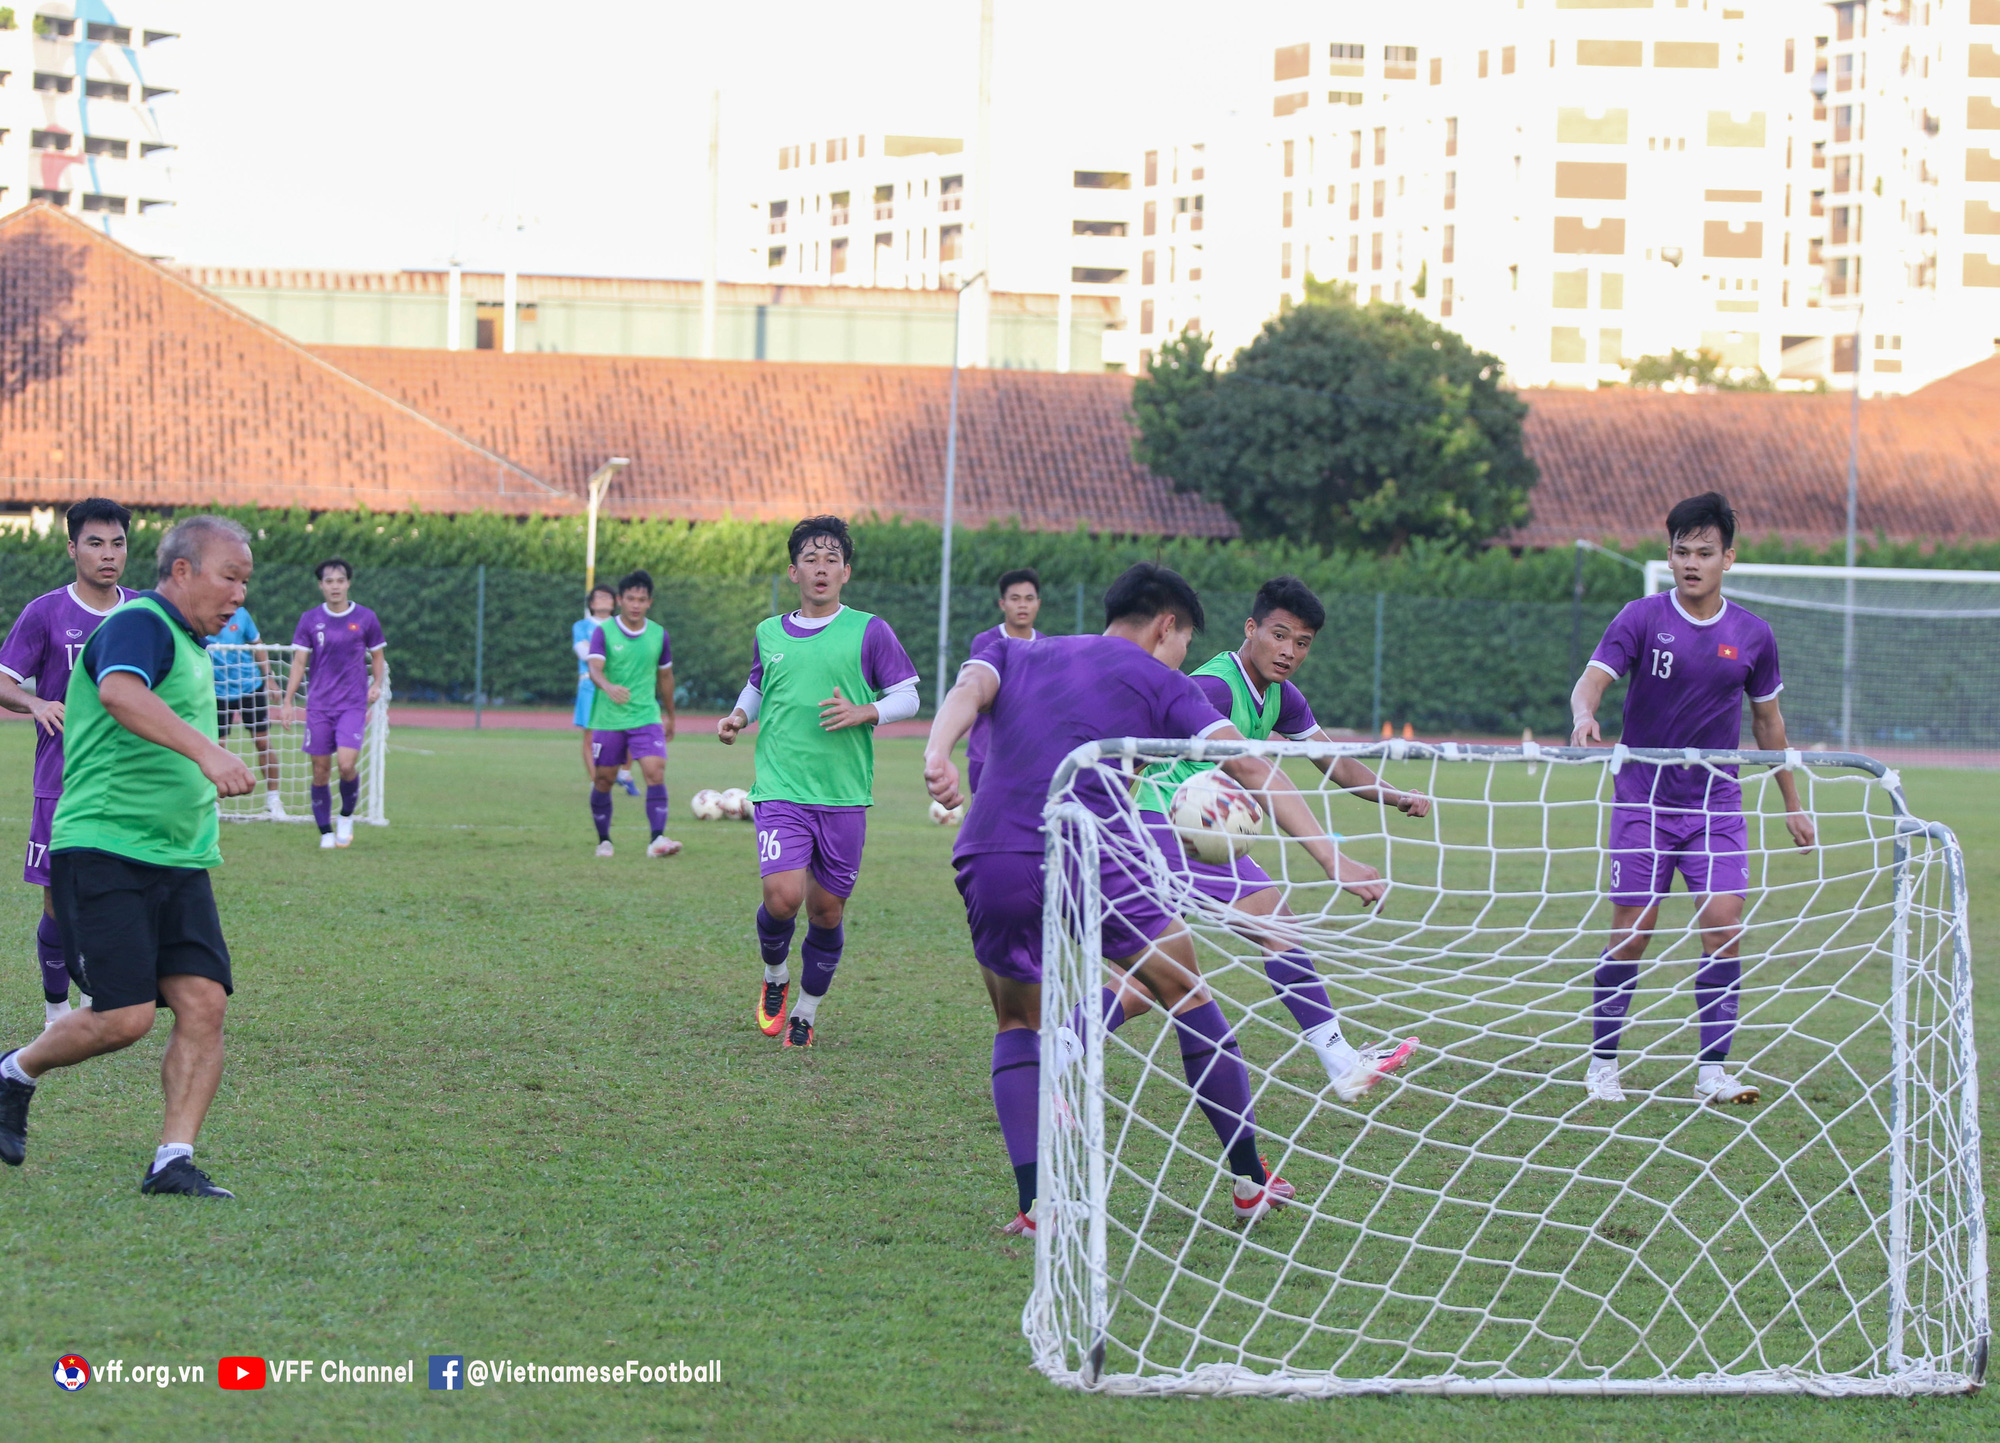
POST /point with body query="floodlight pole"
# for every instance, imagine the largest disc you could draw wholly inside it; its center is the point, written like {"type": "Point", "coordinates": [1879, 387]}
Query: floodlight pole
{"type": "Point", "coordinates": [600, 482]}
{"type": "Point", "coordinates": [1853, 505]}
{"type": "Point", "coordinates": [950, 499]}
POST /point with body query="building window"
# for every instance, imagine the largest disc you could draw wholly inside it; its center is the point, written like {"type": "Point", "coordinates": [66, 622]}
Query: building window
{"type": "Point", "coordinates": [1145, 318]}
{"type": "Point", "coordinates": [1285, 262]}
{"type": "Point", "coordinates": [1843, 277]}
{"type": "Point", "coordinates": [788, 157]}
{"type": "Point", "coordinates": [1097, 276]}
{"type": "Point", "coordinates": [1843, 72]}
{"type": "Point", "coordinates": [774, 257]}
{"type": "Point", "coordinates": [1451, 190]}
{"type": "Point", "coordinates": [1152, 167]}
{"type": "Point", "coordinates": [109, 34]}
{"type": "Point", "coordinates": [1610, 346]}
{"type": "Point", "coordinates": [1381, 144]}
{"type": "Point", "coordinates": [778, 221]}
{"type": "Point", "coordinates": [1445, 298]}
{"type": "Point", "coordinates": [60, 83]}
{"type": "Point", "coordinates": [1843, 174]}
{"type": "Point", "coordinates": [1482, 65]}
{"type": "Point", "coordinates": [49, 139]}
{"type": "Point", "coordinates": [1450, 244]}
{"type": "Point", "coordinates": [1399, 62]}
{"type": "Point", "coordinates": [951, 192]}
{"type": "Point", "coordinates": [56, 27]}
{"type": "Point", "coordinates": [1353, 254]}
{"type": "Point", "coordinates": [1346, 52]}
{"type": "Point", "coordinates": [837, 256]}
{"type": "Point", "coordinates": [1788, 54]}
{"type": "Point", "coordinates": [1285, 216]}
{"type": "Point", "coordinates": [1291, 104]}
{"type": "Point", "coordinates": [836, 149]}
{"type": "Point", "coordinates": [1290, 62]}
{"type": "Point", "coordinates": [1354, 156]}
{"type": "Point", "coordinates": [1147, 262]}
{"type": "Point", "coordinates": [951, 242]}
{"type": "Point", "coordinates": [1097, 227]}
{"type": "Point", "coordinates": [1451, 135]}
{"type": "Point", "coordinates": [1566, 345]}
{"type": "Point", "coordinates": [1149, 223]}
{"type": "Point", "coordinates": [1506, 60]}
{"type": "Point", "coordinates": [105, 145]}
{"type": "Point", "coordinates": [107, 90]}
{"type": "Point", "coordinates": [1375, 251]}
{"type": "Point", "coordinates": [53, 197]}
{"type": "Point", "coordinates": [1354, 201]}
{"type": "Point", "coordinates": [1289, 150]}
{"type": "Point", "coordinates": [1102, 179]}
{"type": "Point", "coordinates": [837, 208]}
{"type": "Point", "coordinates": [885, 202]}
{"type": "Point", "coordinates": [1381, 192]}
{"type": "Point", "coordinates": [113, 204]}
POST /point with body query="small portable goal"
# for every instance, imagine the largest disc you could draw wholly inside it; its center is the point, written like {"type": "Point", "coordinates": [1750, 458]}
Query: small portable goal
{"type": "Point", "coordinates": [294, 769]}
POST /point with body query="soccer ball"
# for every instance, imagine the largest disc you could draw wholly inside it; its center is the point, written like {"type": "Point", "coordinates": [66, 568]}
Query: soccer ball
{"type": "Point", "coordinates": [706, 805]}
{"type": "Point", "coordinates": [736, 803]}
{"type": "Point", "coordinates": [1215, 818]}
{"type": "Point", "coordinates": [946, 816]}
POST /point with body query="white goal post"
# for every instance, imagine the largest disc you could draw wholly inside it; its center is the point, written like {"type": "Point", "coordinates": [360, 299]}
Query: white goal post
{"type": "Point", "coordinates": [281, 752]}
{"type": "Point", "coordinates": [1477, 1225]}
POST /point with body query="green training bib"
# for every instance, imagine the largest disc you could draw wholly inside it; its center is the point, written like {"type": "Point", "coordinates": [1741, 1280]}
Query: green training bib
{"type": "Point", "coordinates": [798, 761]}
{"type": "Point", "coordinates": [633, 662]}
{"type": "Point", "coordinates": [1254, 719]}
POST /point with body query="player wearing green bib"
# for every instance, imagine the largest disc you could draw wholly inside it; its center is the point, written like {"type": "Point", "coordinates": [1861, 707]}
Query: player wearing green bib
{"type": "Point", "coordinates": [821, 679]}
{"type": "Point", "coordinates": [134, 837]}
{"type": "Point", "coordinates": [1252, 686]}
{"type": "Point", "coordinates": [631, 663]}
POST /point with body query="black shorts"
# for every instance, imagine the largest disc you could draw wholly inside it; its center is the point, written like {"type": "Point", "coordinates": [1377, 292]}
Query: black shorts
{"type": "Point", "coordinates": [251, 706]}
{"type": "Point", "coordinates": [127, 924]}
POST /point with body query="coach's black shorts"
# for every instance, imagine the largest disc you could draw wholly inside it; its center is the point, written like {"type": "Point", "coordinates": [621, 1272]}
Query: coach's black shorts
{"type": "Point", "coordinates": [252, 706]}
{"type": "Point", "coordinates": [127, 924]}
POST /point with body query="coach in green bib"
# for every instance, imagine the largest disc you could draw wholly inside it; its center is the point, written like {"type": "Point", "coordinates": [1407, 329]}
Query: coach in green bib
{"type": "Point", "coordinates": [134, 837]}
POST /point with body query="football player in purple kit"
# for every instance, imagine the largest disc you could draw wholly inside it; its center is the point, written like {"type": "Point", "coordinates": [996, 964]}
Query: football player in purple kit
{"type": "Point", "coordinates": [1020, 604]}
{"type": "Point", "coordinates": [1045, 699]}
{"type": "Point", "coordinates": [1692, 654]}
{"type": "Point", "coordinates": [342, 645]}
{"type": "Point", "coordinates": [44, 643]}
{"type": "Point", "coordinates": [822, 678]}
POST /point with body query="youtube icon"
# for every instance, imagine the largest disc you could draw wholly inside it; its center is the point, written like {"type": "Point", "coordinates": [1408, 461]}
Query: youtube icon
{"type": "Point", "coordinates": [241, 1373]}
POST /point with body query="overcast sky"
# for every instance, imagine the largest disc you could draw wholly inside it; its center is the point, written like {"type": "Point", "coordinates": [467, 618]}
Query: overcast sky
{"type": "Point", "coordinates": [382, 134]}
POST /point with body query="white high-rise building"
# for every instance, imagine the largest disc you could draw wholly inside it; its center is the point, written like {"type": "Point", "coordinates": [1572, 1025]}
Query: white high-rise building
{"type": "Point", "coordinates": [85, 114]}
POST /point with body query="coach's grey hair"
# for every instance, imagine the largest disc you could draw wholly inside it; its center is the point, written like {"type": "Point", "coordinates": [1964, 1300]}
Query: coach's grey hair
{"type": "Point", "coordinates": [189, 540]}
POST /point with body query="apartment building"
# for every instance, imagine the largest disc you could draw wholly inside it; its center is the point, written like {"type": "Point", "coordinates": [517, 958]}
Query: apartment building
{"type": "Point", "coordinates": [86, 97]}
{"type": "Point", "coordinates": [1578, 183]}
{"type": "Point", "coordinates": [891, 211]}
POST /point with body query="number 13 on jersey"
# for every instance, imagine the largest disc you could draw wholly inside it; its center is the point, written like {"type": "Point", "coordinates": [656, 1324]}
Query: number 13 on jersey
{"type": "Point", "coordinates": [1663, 663]}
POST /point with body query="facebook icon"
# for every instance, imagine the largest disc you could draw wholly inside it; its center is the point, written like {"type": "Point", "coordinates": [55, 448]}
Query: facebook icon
{"type": "Point", "coordinates": [447, 1372]}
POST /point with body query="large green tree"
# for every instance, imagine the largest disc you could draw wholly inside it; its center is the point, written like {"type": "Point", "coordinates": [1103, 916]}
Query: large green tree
{"type": "Point", "coordinates": [1342, 425]}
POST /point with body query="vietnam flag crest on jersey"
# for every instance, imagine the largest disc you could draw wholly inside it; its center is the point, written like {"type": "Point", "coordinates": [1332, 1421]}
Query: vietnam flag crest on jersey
{"type": "Point", "coordinates": [1726, 652]}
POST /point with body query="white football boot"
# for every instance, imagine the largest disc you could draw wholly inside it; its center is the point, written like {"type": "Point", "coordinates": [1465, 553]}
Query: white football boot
{"type": "Point", "coordinates": [1714, 1086]}
{"type": "Point", "coordinates": [1600, 1083]}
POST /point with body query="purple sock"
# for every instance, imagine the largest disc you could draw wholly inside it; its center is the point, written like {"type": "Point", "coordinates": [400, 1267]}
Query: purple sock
{"type": "Point", "coordinates": [48, 951]}
{"type": "Point", "coordinates": [774, 938]}
{"type": "Point", "coordinates": [348, 792]}
{"type": "Point", "coordinates": [1017, 1093]}
{"type": "Point", "coordinates": [656, 808]}
{"type": "Point", "coordinates": [1114, 1013]}
{"type": "Point", "coordinates": [323, 807]}
{"type": "Point", "coordinates": [1611, 998]}
{"type": "Point", "coordinates": [1717, 983]}
{"type": "Point", "coordinates": [820, 954]}
{"type": "Point", "coordinates": [600, 813]}
{"type": "Point", "coordinates": [1299, 988]}
{"type": "Point", "coordinates": [1221, 1083]}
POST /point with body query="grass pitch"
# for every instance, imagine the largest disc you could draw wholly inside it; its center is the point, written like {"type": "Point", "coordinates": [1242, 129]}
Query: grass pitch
{"type": "Point", "coordinates": [490, 1096]}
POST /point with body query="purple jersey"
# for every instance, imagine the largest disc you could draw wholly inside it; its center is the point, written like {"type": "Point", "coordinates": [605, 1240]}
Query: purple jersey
{"type": "Point", "coordinates": [883, 660]}
{"type": "Point", "coordinates": [1295, 713]}
{"type": "Point", "coordinates": [1688, 682]}
{"type": "Point", "coordinates": [975, 742]}
{"type": "Point", "coordinates": [337, 675]}
{"type": "Point", "coordinates": [47, 638]}
{"type": "Point", "coordinates": [1056, 694]}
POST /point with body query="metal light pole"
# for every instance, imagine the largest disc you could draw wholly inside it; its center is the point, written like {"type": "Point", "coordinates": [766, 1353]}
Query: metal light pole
{"type": "Point", "coordinates": [950, 499]}
{"type": "Point", "coordinates": [600, 482]}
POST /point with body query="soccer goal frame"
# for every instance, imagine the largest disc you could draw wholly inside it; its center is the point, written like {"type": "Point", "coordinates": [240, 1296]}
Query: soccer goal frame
{"type": "Point", "coordinates": [1847, 1253]}
{"type": "Point", "coordinates": [294, 769]}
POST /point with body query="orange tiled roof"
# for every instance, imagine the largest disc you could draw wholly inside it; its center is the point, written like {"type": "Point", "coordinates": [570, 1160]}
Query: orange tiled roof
{"type": "Point", "coordinates": [764, 440]}
{"type": "Point", "coordinates": [115, 375]}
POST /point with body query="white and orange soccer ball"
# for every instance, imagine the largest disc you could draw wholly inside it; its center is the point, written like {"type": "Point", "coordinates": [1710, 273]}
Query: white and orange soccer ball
{"type": "Point", "coordinates": [1215, 818]}
{"type": "Point", "coordinates": [736, 804]}
{"type": "Point", "coordinates": [946, 816]}
{"type": "Point", "coordinates": [706, 805]}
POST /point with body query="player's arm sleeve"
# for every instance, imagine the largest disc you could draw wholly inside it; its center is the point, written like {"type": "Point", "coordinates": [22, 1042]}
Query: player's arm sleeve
{"type": "Point", "coordinates": [884, 663]}
{"type": "Point", "coordinates": [138, 641]}
{"type": "Point", "coordinates": [1185, 712]}
{"type": "Point", "coordinates": [750, 700]}
{"type": "Point", "coordinates": [595, 646]}
{"type": "Point", "coordinates": [1216, 690]}
{"type": "Point", "coordinates": [373, 633]}
{"type": "Point", "coordinates": [898, 703]}
{"type": "Point", "coordinates": [1620, 646]}
{"type": "Point", "coordinates": [1295, 714]}
{"type": "Point", "coordinates": [1765, 683]}
{"type": "Point", "coordinates": [21, 655]}
{"type": "Point", "coordinates": [301, 637]}
{"type": "Point", "coordinates": [666, 649]}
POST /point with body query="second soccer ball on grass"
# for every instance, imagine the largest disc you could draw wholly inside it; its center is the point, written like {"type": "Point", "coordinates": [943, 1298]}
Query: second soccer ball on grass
{"type": "Point", "coordinates": [706, 805]}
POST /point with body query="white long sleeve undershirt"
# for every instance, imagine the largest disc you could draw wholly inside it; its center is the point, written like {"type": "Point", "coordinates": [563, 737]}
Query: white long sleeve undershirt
{"type": "Point", "coordinates": [899, 703]}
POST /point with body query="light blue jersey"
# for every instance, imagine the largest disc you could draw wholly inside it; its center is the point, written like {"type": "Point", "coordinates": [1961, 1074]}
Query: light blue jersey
{"type": "Point", "coordinates": [580, 633]}
{"type": "Point", "coordinates": [236, 672]}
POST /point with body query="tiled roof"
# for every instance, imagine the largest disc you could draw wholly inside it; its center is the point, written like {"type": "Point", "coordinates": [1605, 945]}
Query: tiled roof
{"type": "Point", "coordinates": [1612, 463]}
{"type": "Point", "coordinates": [763, 440]}
{"type": "Point", "coordinates": [117, 376]}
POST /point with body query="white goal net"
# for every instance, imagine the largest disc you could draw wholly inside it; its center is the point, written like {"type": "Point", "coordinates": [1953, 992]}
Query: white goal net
{"type": "Point", "coordinates": [250, 685]}
{"type": "Point", "coordinates": [1477, 1224]}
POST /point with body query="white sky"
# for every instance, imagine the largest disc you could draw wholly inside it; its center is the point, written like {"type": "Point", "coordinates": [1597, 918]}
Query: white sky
{"type": "Point", "coordinates": [381, 134]}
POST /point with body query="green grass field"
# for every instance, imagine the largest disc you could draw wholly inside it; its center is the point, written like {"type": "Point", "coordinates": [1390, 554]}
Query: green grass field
{"type": "Point", "coordinates": [488, 1095]}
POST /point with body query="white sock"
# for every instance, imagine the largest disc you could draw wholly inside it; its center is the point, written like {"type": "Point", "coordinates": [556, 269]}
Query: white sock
{"type": "Point", "coordinates": [1711, 1074]}
{"type": "Point", "coordinates": [52, 1010]}
{"type": "Point", "coordinates": [1335, 1054]}
{"type": "Point", "coordinates": [778, 975]}
{"type": "Point", "coordinates": [166, 1152]}
{"type": "Point", "coordinates": [806, 1006]}
{"type": "Point", "coordinates": [1069, 1049]}
{"type": "Point", "coordinates": [10, 1069]}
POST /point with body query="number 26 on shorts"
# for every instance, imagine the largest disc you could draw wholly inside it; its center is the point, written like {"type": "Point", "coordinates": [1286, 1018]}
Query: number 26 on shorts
{"type": "Point", "coordinates": [767, 847]}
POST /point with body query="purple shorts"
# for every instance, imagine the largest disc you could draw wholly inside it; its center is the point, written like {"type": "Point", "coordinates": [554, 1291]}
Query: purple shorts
{"type": "Point", "coordinates": [825, 841]}
{"type": "Point", "coordinates": [613, 749]}
{"type": "Point", "coordinates": [330, 731]}
{"type": "Point", "coordinates": [1004, 893]}
{"type": "Point", "coordinates": [1709, 849]}
{"type": "Point", "coordinates": [41, 826]}
{"type": "Point", "coordinates": [1228, 885]}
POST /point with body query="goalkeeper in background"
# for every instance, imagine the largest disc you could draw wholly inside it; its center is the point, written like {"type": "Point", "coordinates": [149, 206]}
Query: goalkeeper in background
{"type": "Point", "coordinates": [1252, 686]}
{"type": "Point", "coordinates": [601, 602]}
{"type": "Point", "coordinates": [1692, 655]}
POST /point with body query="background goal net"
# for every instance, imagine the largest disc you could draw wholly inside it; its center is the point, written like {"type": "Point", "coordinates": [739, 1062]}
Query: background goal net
{"type": "Point", "coordinates": [1477, 1224]}
{"type": "Point", "coordinates": [274, 756]}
